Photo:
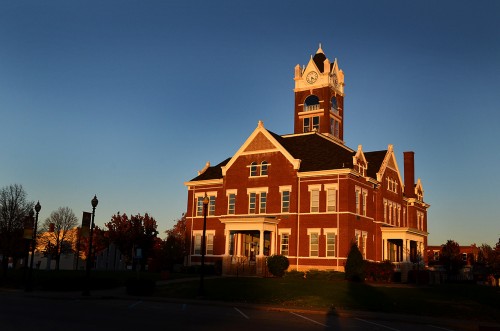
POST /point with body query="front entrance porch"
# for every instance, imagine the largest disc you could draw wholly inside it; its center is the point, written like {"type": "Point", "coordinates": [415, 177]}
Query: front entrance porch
{"type": "Point", "coordinates": [249, 241]}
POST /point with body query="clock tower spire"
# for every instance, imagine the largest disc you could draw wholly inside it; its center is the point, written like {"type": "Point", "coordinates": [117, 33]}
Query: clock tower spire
{"type": "Point", "coordinates": [319, 97]}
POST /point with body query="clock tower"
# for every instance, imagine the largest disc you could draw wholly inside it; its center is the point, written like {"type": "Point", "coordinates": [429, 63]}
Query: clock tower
{"type": "Point", "coordinates": [319, 97]}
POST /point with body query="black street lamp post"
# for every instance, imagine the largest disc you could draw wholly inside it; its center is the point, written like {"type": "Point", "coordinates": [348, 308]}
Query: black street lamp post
{"type": "Point", "coordinates": [201, 291]}
{"type": "Point", "coordinates": [86, 290]}
{"type": "Point", "coordinates": [38, 207]}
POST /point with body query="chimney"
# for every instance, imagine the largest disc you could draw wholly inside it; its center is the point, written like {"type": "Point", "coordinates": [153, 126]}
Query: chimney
{"type": "Point", "coordinates": [409, 164]}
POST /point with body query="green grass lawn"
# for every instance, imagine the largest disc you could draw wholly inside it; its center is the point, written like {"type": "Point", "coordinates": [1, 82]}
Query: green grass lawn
{"type": "Point", "coordinates": [447, 300]}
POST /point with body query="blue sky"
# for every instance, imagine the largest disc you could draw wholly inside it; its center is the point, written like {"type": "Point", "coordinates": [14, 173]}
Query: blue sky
{"type": "Point", "coordinates": [128, 99]}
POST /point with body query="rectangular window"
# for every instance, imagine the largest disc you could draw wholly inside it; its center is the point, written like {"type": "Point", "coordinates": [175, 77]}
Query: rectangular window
{"type": "Point", "coordinates": [315, 124]}
{"type": "Point", "coordinates": [385, 211]}
{"type": "Point", "coordinates": [210, 244]}
{"type": "Point", "coordinates": [314, 201]}
{"type": "Point", "coordinates": [330, 244]}
{"type": "Point", "coordinates": [231, 203]}
{"type": "Point", "coordinates": [285, 201]}
{"type": "Point", "coordinates": [197, 244]}
{"type": "Point", "coordinates": [211, 206]}
{"type": "Point", "coordinates": [307, 125]}
{"type": "Point", "coordinates": [336, 132]}
{"type": "Point", "coordinates": [284, 243]}
{"type": "Point", "coordinates": [263, 202]}
{"type": "Point", "coordinates": [199, 206]}
{"type": "Point", "coordinates": [313, 244]}
{"type": "Point", "coordinates": [364, 203]}
{"type": "Point", "coordinates": [357, 202]}
{"type": "Point", "coordinates": [252, 203]}
{"type": "Point", "coordinates": [332, 126]}
{"type": "Point", "coordinates": [331, 199]}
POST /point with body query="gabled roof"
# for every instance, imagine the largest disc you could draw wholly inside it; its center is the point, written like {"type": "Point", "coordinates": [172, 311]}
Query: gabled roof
{"type": "Point", "coordinates": [315, 151]}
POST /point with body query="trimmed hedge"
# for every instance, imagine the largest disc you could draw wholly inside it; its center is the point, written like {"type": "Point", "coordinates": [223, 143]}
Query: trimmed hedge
{"type": "Point", "coordinates": [277, 265]}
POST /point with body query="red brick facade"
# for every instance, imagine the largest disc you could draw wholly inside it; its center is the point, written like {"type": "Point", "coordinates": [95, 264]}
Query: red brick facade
{"type": "Point", "coordinates": [307, 195]}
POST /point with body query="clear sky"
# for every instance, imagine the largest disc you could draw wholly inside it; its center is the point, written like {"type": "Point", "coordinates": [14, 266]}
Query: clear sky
{"type": "Point", "coordinates": [129, 99]}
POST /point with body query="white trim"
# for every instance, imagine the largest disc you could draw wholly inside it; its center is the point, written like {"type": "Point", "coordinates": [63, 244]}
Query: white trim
{"type": "Point", "coordinates": [285, 231]}
{"type": "Point", "coordinates": [200, 232]}
{"type": "Point", "coordinates": [231, 191]}
{"type": "Point", "coordinates": [209, 194]}
{"type": "Point", "coordinates": [285, 188]}
{"type": "Point", "coordinates": [313, 230]}
{"type": "Point", "coordinates": [257, 189]}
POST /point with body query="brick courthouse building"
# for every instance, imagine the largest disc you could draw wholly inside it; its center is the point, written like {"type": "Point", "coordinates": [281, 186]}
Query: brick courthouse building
{"type": "Point", "coordinates": [307, 195]}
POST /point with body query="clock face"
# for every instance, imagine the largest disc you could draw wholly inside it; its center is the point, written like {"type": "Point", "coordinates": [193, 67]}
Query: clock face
{"type": "Point", "coordinates": [312, 77]}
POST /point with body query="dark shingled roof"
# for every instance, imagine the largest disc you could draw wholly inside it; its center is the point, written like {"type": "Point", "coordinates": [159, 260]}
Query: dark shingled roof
{"type": "Point", "coordinates": [316, 153]}
{"type": "Point", "coordinates": [212, 172]}
{"type": "Point", "coordinates": [319, 59]}
{"type": "Point", "coordinates": [374, 160]}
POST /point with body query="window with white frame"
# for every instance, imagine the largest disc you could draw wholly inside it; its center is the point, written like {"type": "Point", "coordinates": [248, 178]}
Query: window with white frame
{"type": "Point", "coordinates": [285, 237]}
{"type": "Point", "coordinates": [306, 124]}
{"type": "Point", "coordinates": [314, 244]}
{"type": "Point", "coordinates": [315, 123]}
{"type": "Point", "coordinates": [285, 198]}
{"type": "Point", "coordinates": [263, 202]}
{"type": "Point", "coordinates": [197, 244]}
{"type": "Point", "coordinates": [331, 197]}
{"type": "Point", "coordinates": [361, 237]}
{"type": "Point", "coordinates": [211, 204]}
{"type": "Point", "coordinates": [285, 201]}
{"type": "Point", "coordinates": [358, 207]}
{"type": "Point", "coordinates": [364, 202]}
{"type": "Point", "coordinates": [331, 235]}
{"type": "Point", "coordinates": [252, 203]}
{"type": "Point", "coordinates": [385, 211]}
{"type": "Point", "coordinates": [231, 202]}
{"type": "Point", "coordinates": [199, 206]}
{"type": "Point", "coordinates": [253, 169]}
{"type": "Point", "coordinates": [209, 244]}
{"type": "Point", "coordinates": [314, 197]}
{"type": "Point", "coordinates": [263, 168]}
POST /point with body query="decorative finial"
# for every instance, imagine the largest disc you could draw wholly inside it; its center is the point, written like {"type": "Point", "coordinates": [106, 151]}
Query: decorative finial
{"type": "Point", "coordinates": [320, 50]}
{"type": "Point", "coordinates": [260, 124]}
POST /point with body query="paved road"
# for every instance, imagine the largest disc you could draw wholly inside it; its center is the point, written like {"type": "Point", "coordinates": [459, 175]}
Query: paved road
{"type": "Point", "coordinates": [20, 311]}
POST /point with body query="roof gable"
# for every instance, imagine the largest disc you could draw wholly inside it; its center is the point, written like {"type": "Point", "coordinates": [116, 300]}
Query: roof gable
{"type": "Point", "coordinates": [389, 162]}
{"type": "Point", "coordinates": [261, 141]}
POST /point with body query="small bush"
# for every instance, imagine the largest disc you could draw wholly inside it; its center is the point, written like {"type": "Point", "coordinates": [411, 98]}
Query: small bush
{"type": "Point", "coordinates": [277, 265]}
{"type": "Point", "coordinates": [379, 272]}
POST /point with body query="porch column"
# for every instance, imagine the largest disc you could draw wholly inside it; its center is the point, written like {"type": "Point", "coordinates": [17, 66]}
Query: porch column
{"type": "Point", "coordinates": [383, 251]}
{"type": "Point", "coordinates": [238, 244]}
{"type": "Point", "coordinates": [228, 235]}
{"type": "Point", "coordinates": [405, 250]}
{"type": "Point", "coordinates": [273, 240]}
{"type": "Point", "coordinates": [261, 243]}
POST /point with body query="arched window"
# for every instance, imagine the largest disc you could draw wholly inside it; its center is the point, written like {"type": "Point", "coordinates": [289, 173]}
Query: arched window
{"type": "Point", "coordinates": [263, 168]}
{"type": "Point", "coordinates": [253, 169]}
{"type": "Point", "coordinates": [311, 103]}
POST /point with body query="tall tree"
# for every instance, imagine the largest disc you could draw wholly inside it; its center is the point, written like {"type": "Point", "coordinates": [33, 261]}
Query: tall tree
{"type": "Point", "coordinates": [58, 233]}
{"type": "Point", "coordinates": [450, 257]}
{"type": "Point", "coordinates": [131, 234]}
{"type": "Point", "coordinates": [174, 247]}
{"type": "Point", "coordinates": [13, 208]}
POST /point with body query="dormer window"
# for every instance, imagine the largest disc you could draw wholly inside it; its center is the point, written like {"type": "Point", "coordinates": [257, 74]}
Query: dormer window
{"type": "Point", "coordinates": [259, 170]}
{"type": "Point", "coordinates": [253, 169]}
{"type": "Point", "coordinates": [311, 103]}
{"type": "Point", "coordinates": [263, 168]}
